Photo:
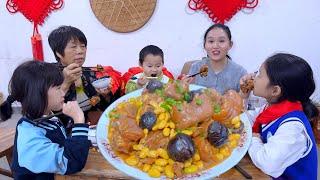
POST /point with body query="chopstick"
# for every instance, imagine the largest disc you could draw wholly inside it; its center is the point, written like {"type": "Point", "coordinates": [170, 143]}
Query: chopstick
{"type": "Point", "coordinates": [52, 115]}
{"type": "Point", "coordinates": [243, 172]}
{"type": "Point", "coordinates": [88, 68]}
{"type": "Point", "coordinates": [47, 117]}
{"type": "Point", "coordinates": [193, 75]}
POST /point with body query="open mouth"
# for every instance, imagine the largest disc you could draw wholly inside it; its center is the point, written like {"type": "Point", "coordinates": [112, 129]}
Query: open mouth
{"type": "Point", "coordinates": [153, 75]}
{"type": "Point", "coordinates": [216, 52]}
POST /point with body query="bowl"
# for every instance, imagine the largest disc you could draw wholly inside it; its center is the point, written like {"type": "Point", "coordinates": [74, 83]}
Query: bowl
{"type": "Point", "coordinates": [101, 83]}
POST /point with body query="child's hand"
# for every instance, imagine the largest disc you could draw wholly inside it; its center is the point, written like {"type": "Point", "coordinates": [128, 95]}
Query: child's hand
{"type": "Point", "coordinates": [246, 85]}
{"type": "Point", "coordinates": [104, 91]}
{"type": "Point", "coordinates": [72, 109]}
{"type": "Point", "coordinates": [256, 135]}
{"type": "Point", "coordinates": [142, 81]}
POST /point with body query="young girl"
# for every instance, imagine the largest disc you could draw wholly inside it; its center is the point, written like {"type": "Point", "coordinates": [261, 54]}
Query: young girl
{"type": "Point", "coordinates": [151, 67]}
{"type": "Point", "coordinates": [41, 147]}
{"type": "Point", "coordinates": [283, 145]}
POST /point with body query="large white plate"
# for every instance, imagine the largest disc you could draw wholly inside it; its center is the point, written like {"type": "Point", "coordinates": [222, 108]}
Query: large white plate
{"type": "Point", "coordinates": [109, 155]}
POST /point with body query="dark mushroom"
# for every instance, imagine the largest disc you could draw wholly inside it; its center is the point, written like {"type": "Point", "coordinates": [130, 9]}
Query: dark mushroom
{"type": "Point", "coordinates": [148, 120]}
{"type": "Point", "coordinates": [217, 134]}
{"type": "Point", "coordinates": [154, 84]}
{"type": "Point", "coordinates": [181, 147]}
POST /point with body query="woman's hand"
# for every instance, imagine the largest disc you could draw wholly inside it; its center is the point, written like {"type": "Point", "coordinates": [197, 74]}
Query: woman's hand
{"type": "Point", "coordinates": [186, 79]}
{"type": "Point", "coordinates": [71, 73]}
{"type": "Point", "coordinates": [72, 109]}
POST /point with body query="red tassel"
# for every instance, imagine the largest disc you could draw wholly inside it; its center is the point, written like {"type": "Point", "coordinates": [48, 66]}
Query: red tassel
{"type": "Point", "coordinates": [36, 42]}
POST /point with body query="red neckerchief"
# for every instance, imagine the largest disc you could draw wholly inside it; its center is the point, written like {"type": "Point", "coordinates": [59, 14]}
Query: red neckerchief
{"type": "Point", "coordinates": [275, 111]}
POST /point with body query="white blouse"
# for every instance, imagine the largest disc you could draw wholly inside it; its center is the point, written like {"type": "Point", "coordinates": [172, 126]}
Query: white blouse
{"type": "Point", "coordinates": [284, 148]}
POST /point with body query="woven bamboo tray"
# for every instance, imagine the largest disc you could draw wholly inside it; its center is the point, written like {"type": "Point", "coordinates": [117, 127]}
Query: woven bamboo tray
{"type": "Point", "coordinates": [123, 15]}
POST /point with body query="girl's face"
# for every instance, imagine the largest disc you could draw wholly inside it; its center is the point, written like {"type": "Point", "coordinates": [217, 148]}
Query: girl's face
{"type": "Point", "coordinates": [152, 65]}
{"type": "Point", "coordinates": [217, 44]}
{"type": "Point", "coordinates": [262, 85]}
{"type": "Point", "coordinates": [55, 99]}
{"type": "Point", "coordinates": [75, 52]}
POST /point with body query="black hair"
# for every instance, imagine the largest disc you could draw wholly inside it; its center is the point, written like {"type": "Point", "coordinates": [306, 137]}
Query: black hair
{"type": "Point", "coordinates": [59, 38]}
{"type": "Point", "coordinates": [29, 85]}
{"type": "Point", "coordinates": [221, 26]}
{"type": "Point", "coordinates": [150, 49]}
{"type": "Point", "coordinates": [295, 78]}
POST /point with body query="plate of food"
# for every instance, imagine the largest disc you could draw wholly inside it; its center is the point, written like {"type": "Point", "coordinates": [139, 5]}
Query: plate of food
{"type": "Point", "coordinates": [174, 130]}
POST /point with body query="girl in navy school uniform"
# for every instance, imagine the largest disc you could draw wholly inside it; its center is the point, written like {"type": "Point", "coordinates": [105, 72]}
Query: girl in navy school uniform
{"type": "Point", "coordinates": [41, 148]}
{"type": "Point", "coordinates": [283, 145]}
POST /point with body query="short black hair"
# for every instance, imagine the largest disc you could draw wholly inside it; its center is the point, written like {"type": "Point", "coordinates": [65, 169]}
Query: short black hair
{"type": "Point", "coordinates": [295, 78]}
{"type": "Point", "coordinates": [30, 83]}
{"type": "Point", "coordinates": [150, 49]}
{"type": "Point", "coordinates": [59, 38]}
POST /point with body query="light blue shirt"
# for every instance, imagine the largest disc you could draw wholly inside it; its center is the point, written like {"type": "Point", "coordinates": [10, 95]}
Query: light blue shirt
{"type": "Point", "coordinates": [222, 81]}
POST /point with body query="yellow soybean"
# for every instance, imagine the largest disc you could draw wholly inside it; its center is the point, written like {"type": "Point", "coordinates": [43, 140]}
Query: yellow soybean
{"type": "Point", "coordinates": [132, 160]}
{"type": "Point", "coordinates": [166, 132]}
{"type": "Point", "coordinates": [190, 169]}
{"type": "Point", "coordinates": [153, 154]}
{"type": "Point", "coordinates": [146, 167]}
{"type": "Point", "coordinates": [168, 170]}
{"type": "Point", "coordinates": [154, 173]}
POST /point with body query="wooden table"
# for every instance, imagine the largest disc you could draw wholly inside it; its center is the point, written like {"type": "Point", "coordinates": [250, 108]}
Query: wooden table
{"type": "Point", "coordinates": [98, 168]}
{"type": "Point", "coordinates": [6, 147]}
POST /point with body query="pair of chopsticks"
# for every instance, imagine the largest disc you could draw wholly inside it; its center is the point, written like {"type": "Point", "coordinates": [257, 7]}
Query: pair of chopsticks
{"type": "Point", "coordinates": [193, 75]}
{"type": "Point", "coordinates": [87, 68]}
{"type": "Point", "coordinates": [243, 172]}
{"type": "Point", "coordinates": [53, 115]}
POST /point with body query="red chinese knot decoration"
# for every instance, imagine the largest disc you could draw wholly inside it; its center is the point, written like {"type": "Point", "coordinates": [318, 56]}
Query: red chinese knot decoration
{"type": "Point", "coordinates": [35, 11]}
{"type": "Point", "coordinates": [221, 11]}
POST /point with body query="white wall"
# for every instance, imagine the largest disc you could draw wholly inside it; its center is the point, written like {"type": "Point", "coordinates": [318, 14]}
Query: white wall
{"type": "Point", "coordinates": [288, 25]}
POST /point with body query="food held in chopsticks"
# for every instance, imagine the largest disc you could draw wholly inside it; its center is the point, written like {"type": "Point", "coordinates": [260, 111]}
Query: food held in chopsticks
{"type": "Point", "coordinates": [98, 68]}
{"type": "Point", "coordinates": [247, 86]}
{"type": "Point", "coordinates": [203, 71]}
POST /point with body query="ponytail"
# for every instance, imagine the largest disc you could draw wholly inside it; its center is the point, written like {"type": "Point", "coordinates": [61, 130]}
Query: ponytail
{"type": "Point", "coordinates": [310, 109]}
{"type": "Point", "coordinates": [6, 109]}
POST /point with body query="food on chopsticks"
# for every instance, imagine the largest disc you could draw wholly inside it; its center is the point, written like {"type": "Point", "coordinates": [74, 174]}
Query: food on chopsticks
{"type": "Point", "coordinates": [172, 131]}
{"type": "Point", "coordinates": [247, 86]}
{"type": "Point", "coordinates": [99, 68]}
{"type": "Point", "coordinates": [204, 71]}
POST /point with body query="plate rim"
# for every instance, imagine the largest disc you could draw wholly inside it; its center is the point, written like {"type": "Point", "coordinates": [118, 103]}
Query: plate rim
{"type": "Point", "coordinates": [215, 171]}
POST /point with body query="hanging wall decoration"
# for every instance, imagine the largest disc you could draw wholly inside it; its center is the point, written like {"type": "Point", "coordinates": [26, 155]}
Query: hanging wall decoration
{"type": "Point", "coordinates": [123, 15]}
{"type": "Point", "coordinates": [35, 11]}
{"type": "Point", "coordinates": [221, 11]}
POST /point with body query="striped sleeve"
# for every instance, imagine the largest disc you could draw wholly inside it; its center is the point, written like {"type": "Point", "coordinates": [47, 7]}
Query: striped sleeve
{"type": "Point", "coordinates": [39, 154]}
